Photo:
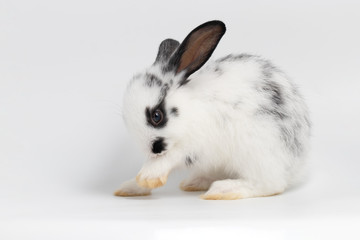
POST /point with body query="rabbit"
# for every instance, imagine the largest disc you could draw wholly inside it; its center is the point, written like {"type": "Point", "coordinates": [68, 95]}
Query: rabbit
{"type": "Point", "coordinates": [238, 123]}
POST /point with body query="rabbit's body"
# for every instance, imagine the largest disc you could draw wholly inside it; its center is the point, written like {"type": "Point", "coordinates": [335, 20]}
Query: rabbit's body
{"type": "Point", "coordinates": [238, 123]}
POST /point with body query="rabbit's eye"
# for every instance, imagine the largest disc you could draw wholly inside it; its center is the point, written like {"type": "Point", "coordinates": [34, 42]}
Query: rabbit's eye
{"type": "Point", "coordinates": [156, 117]}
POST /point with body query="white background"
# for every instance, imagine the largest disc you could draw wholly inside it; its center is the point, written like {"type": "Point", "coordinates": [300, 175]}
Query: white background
{"type": "Point", "coordinates": [64, 148]}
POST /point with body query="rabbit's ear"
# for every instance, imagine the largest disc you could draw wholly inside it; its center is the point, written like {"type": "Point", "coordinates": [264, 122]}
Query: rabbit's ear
{"type": "Point", "coordinates": [197, 48]}
{"type": "Point", "coordinates": [166, 48]}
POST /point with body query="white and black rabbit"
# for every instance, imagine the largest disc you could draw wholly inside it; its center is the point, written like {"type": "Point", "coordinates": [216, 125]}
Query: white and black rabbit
{"type": "Point", "coordinates": [239, 124]}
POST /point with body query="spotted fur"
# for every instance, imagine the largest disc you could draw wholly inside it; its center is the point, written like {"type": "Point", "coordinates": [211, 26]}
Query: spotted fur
{"type": "Point", "coordinates": [242, 117]}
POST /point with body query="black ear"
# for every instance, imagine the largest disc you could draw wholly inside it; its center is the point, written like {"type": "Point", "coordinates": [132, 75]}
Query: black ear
{"type": "Point", "coordinates": [166, 48]}
{"type": "Point", "coordinates": [197, 47]}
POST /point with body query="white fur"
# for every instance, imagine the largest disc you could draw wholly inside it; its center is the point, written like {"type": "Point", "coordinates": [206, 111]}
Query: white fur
{"type": "Point", "coordinates": [233, 147]}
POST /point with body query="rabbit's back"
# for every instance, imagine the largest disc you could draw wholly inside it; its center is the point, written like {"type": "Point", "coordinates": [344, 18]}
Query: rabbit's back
{"type": "Point", "coordinates": [251, 91]}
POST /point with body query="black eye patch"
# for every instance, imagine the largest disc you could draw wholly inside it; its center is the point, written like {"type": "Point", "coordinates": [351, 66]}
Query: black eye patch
{"type": "Point", "coordinates": [156, 116]}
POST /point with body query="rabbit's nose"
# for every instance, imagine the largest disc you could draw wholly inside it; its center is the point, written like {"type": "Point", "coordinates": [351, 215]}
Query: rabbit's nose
{"type": "Point", "coordinates": [158, 145]}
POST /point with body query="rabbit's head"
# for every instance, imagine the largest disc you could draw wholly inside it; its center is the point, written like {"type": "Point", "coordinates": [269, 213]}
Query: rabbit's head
{"type": "Point", "coordinates": [155, 103]}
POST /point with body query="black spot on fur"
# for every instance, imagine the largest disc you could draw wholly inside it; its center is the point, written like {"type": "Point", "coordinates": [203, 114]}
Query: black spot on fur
{"type": "Point", "coordinates": [274, 112]}
{"type": "Point", "coordinates": [274, 90]}
{"type": "Point", "coordinates": [184, 82]}
{"type": "Point", "coordinates": [152, 80]}
{"type": "Point", "coordinates": [270, 87]}
{"type": "Point", "coordinates": [158, 145]}
{"type": "Point", "coordinates": [174, 111]}
{"type": "Point", "coordinates": [218, 70]}
{"type": "Point", "coordinates": [189, 161]}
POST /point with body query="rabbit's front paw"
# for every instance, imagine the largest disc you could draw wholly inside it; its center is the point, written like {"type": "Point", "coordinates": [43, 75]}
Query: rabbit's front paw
{"type": "Point", "coordinates": [131, 189]}
{"type": "Point", "coordinates": [147, 182]}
